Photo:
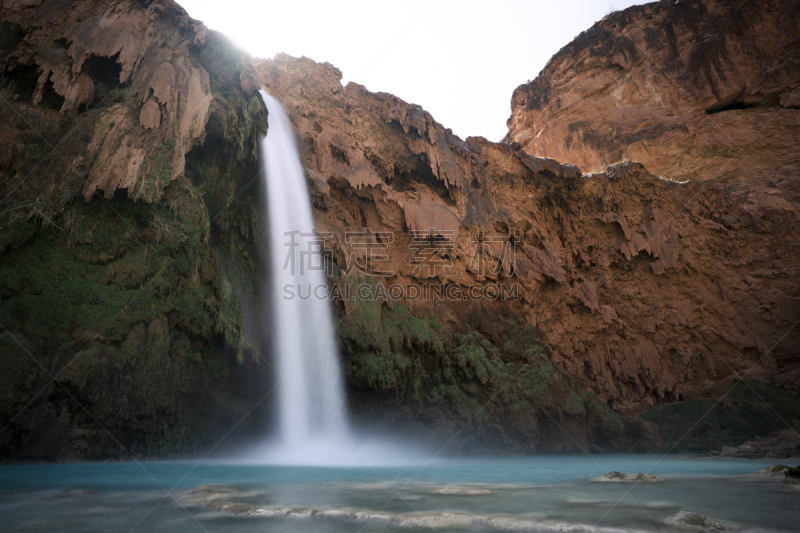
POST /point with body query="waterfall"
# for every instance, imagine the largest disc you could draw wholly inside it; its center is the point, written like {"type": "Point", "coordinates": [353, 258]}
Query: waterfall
{"type": "Point", "coordinates": [312, 416]}
{"type": "Point", "coordinates": [311, 405]}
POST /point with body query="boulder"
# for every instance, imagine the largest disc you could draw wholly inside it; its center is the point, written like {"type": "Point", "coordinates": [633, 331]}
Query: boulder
{"type": "Point", "coordinates": [687, 518]}
{"type": "Point", "coordinates": [773, 471]}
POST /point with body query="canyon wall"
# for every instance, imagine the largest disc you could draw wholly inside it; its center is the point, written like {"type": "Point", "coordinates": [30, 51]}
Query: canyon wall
{"type": "Point", "coordinates": [694, 90]}
{"type": "Point", "coordinates": [556, 305]}
{"type": "Point", "coordinates": [127, 215]}
{"type": "Point", "coordinates": [645, 290]}
{"type": "Point", "coordinates": [132, 253]}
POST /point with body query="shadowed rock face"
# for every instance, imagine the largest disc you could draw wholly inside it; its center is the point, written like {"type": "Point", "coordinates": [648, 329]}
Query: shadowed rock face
{"type": "Point", "coordinates": [694, 90]}
{"type": "Point", "coordinates": [121, 264]}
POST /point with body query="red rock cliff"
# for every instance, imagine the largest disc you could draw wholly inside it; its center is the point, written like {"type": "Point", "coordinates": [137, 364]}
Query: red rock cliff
{"type": "Point", "coordinates": [643, 290]}
{"type": "Point", "coordinates": [694, 90]}
{"type": "Point", "coordinates": [646, 290]}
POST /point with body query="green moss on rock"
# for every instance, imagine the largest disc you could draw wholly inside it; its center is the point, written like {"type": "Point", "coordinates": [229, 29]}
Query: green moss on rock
{"type": "Point", "coordinates": [492, 387]}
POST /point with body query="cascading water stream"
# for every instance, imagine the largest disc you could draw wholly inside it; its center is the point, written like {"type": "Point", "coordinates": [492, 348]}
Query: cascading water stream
{"type": "Point", "coordinates": [312, 415]}
{"type": "Point", "coordinates": [311, 402]}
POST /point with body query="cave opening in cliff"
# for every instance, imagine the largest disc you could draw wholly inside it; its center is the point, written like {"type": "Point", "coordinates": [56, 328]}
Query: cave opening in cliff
{"type": "Point", "coordinates": [105, 72]}
{"type": "Point", "coordinates": [20, 82]}
{"type": "Point", "coordinates": [339, 155]}
{"type": "Point", "coordinates": [407, 172]}
{"type": "Point", "coordinates": [10, 35]}
{"type": "Point", "coordinates": [50, 98]}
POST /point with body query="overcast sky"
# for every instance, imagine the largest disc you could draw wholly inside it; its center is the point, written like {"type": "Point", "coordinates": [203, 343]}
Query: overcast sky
{"type": "Point", "coordinates": [458, 59]}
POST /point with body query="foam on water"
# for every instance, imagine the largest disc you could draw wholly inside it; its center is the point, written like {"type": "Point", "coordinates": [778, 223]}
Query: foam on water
{"type": "Point", "coordinates": [469, 494]}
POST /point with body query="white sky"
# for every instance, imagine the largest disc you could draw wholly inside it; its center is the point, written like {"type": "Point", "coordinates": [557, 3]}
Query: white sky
{"type": "Point", "coordinates": [459, 59]}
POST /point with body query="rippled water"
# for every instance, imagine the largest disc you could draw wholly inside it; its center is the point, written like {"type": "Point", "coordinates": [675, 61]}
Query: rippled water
{"type": "Point", "coordinates": [539, 493]}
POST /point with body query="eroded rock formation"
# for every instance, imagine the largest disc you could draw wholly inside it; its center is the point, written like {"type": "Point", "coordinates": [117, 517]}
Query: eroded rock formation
{"type": "Point", "coordinates": [122, 56]}
{"type": "Point", "coordinates": [561, 294]}
{"type": "Point", "coordinates": [127, 213]}
{"type": "Point", "coordinates": [694, 90]}
{"type": "Point", "coordinates": [645, 290]}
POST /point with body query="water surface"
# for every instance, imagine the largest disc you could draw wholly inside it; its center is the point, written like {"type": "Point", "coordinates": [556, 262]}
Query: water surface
{"type": "Point", "coordinates": [481, 494]}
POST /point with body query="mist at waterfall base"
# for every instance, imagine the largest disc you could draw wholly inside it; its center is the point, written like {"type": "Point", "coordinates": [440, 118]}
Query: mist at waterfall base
{"type": "Point", "coordinates": [312, 426]}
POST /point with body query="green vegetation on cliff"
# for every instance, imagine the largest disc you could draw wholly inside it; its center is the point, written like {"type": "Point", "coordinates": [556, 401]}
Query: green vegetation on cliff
{"type": "Point", "coordinates": [492, 386]}
{"type": "Point", "coordinates": [99, 265]}
{"type": "Point", "coordinates": [113, 301]}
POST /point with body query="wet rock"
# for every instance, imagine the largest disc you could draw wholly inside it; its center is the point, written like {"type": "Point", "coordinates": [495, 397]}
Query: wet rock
{"type": "Point", "coordinates": [619, 476]}
{"type": "Point", "coordinates": [784, 443]}
{"type": "Point", "coordinates": [773, 471]}
{"type": "Point", "coordinates": [687, 518]}
{"type": "Point", "coordinates": [747, 409]}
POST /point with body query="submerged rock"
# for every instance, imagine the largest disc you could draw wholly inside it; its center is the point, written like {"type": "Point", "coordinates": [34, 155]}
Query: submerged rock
{"type": "Point", "coordinates": [227, 499]}
{"type": "Point", "coordinates": [619, 476]}
{"type": "Point", "coordinates": [687, 518]}
{"type": "Point", "coordinates": [72, 493]}
{"type": "Point", "coordinates": [462, 491]}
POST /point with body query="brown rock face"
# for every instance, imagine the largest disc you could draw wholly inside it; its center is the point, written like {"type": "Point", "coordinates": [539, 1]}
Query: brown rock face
{"type": "Point", "coordinates": [74, 56]}
{"type": "Point", "coordinates": [694, 90]}
{"type": "Point", "coordinates": [645, 290]}
{"type": "Point", "coordinates": [780, 444]}
{"type": "Point", "coordinates": [103, 353]}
